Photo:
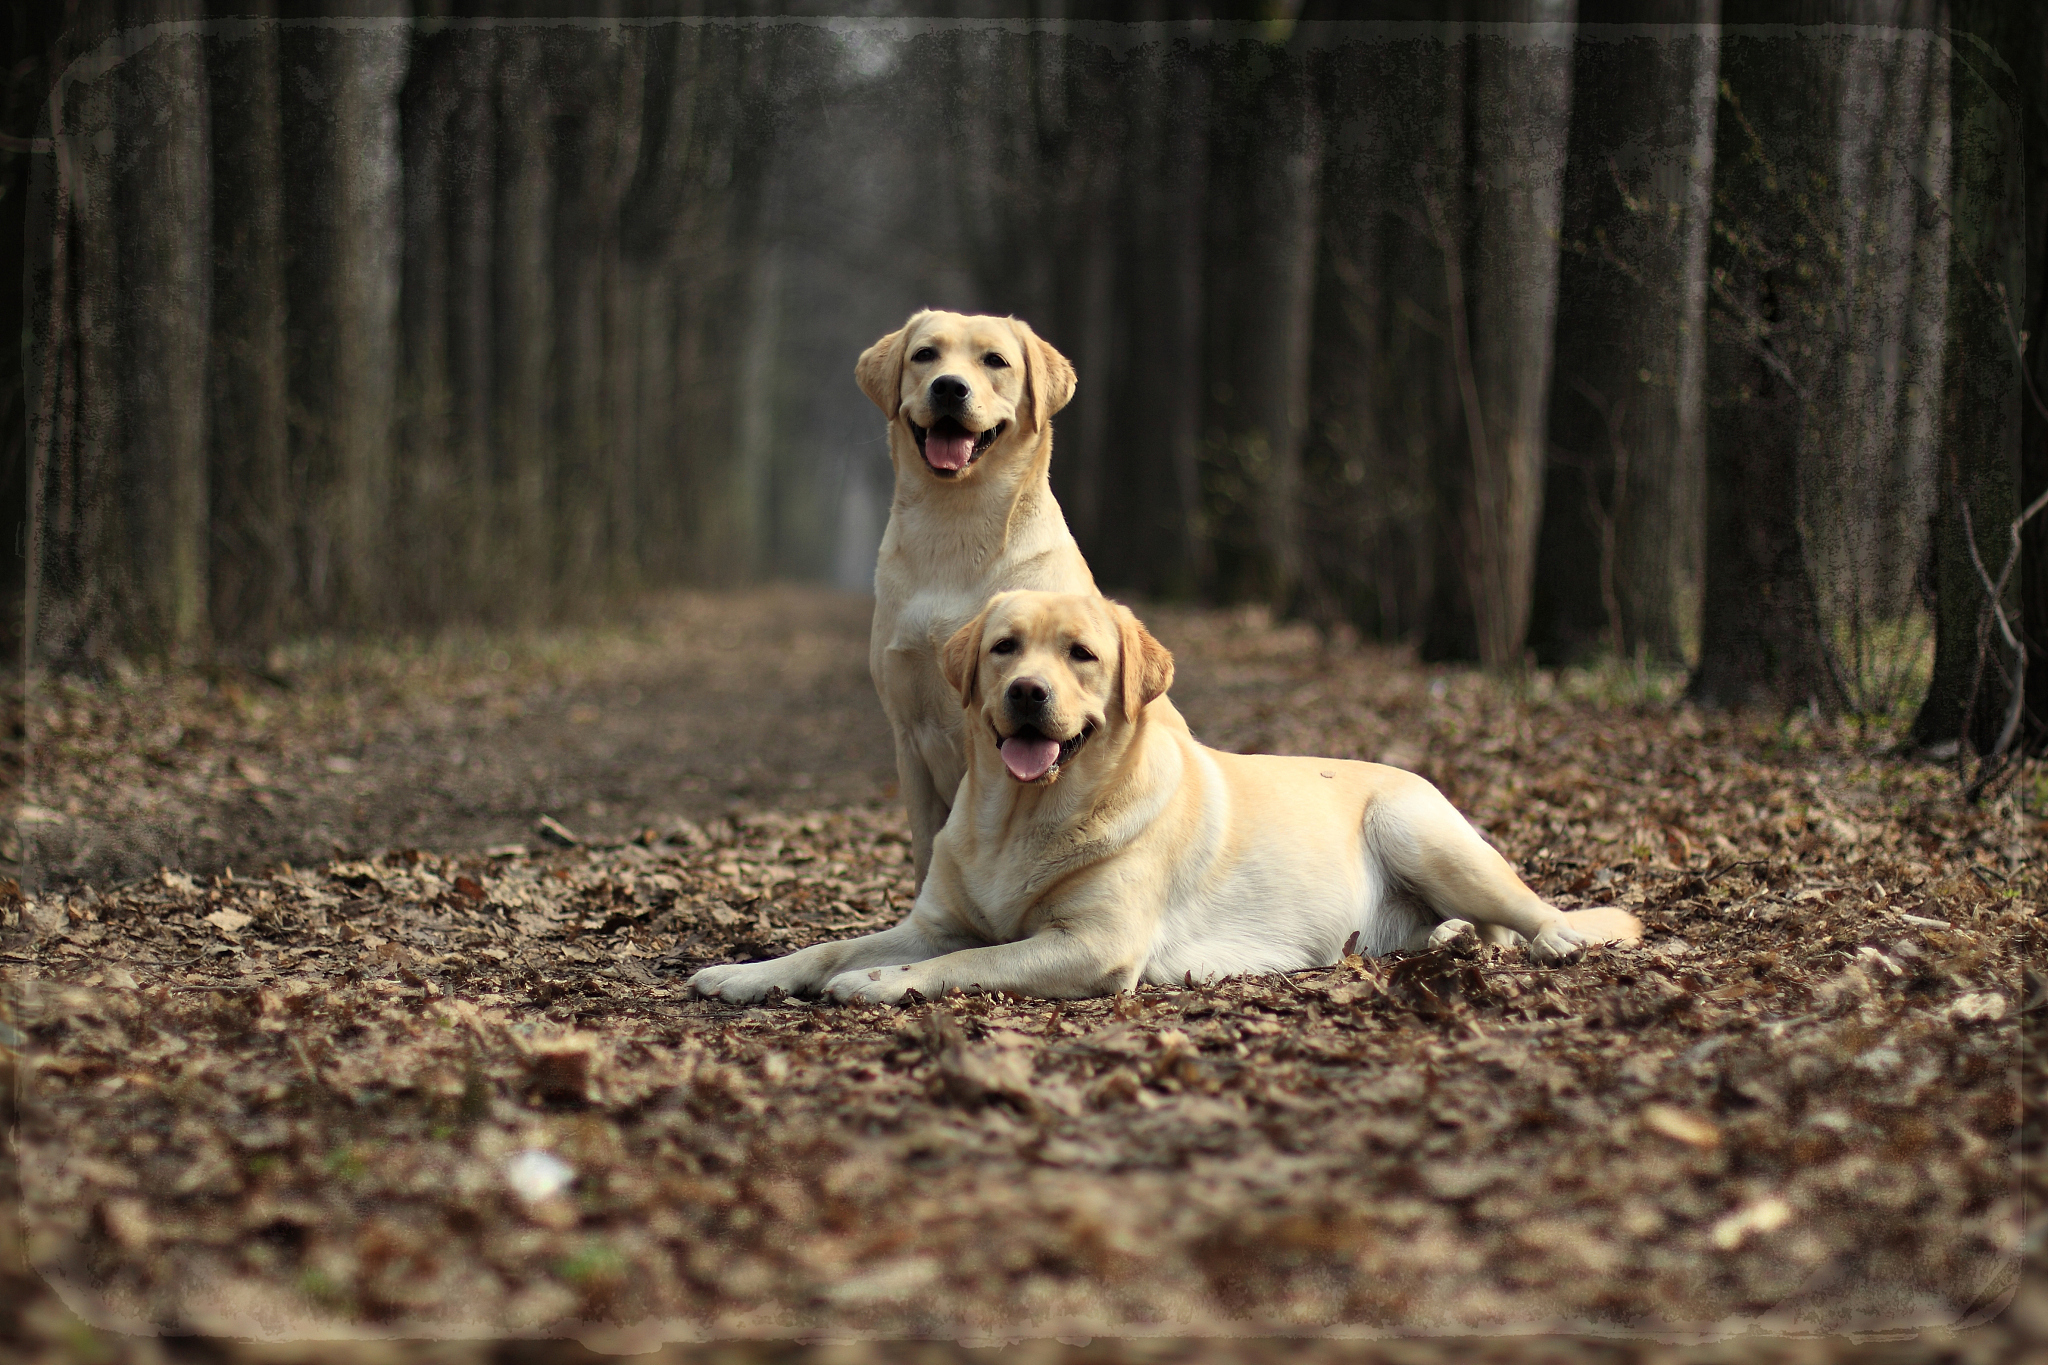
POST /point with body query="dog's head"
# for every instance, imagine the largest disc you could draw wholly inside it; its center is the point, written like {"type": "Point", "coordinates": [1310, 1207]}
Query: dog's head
{"type": "Point", "coordinates": [1045, 672]}
{"type": "Point", "coordinates": [961, 387]}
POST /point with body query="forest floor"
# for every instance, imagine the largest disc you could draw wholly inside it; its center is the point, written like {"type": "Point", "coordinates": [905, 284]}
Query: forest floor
{"type": "Point", "coordinates": [319, 1033]}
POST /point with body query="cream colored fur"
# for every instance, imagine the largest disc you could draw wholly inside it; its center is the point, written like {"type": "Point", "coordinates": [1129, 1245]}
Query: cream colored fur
{"type": "Point", "coordinates": [1148, 857]}
{"type": "Point", "coordinates": [954, 541]}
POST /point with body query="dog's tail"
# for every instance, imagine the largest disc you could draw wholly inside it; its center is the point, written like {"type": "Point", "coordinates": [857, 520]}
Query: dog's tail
{"type": "Point", "coordinates": [1606, 923]}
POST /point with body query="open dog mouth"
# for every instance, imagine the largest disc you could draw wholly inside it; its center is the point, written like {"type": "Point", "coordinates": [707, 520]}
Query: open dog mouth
{"type": "Point", "coordinates": [1034, 757]}
{"type": "Point", "coordinates": [948, 447]}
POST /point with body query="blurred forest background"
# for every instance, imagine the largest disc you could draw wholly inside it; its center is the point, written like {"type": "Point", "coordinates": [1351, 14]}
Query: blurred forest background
{"type": "Point", "coordinates": [1686, 332]}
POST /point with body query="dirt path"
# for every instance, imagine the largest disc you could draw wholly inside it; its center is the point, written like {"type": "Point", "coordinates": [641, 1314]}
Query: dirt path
{"type": "Point", "coordinates": [333, 1098]}
{"type": "Point", "coordinates": [700, 704]}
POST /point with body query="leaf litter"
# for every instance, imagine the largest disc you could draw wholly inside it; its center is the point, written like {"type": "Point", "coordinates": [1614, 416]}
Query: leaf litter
{"type": "Point", "coordinates": [427, 1093]}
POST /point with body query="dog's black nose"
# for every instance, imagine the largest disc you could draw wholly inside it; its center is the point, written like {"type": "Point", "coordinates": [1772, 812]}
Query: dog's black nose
{"type": "Point", "coordinates": [949, 388]}
{"type": "Point", "coordinates": [1028, 694]}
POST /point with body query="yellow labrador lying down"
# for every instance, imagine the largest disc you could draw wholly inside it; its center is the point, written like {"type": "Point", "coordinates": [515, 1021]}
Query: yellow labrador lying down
{"type": "Point", "coordinates": [1094, 844]}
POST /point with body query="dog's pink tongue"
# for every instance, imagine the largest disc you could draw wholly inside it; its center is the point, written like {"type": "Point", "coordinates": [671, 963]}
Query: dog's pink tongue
{"type": "Point", "coordinates": [1028, 759]}
{"type": "Point", "coordinates": [947, 452]}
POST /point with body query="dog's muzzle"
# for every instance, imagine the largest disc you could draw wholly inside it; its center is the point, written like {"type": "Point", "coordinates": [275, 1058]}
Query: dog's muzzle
{"type": "Point", "coordinates": [949, 447]}
{"type": "Point", "coordinates": [1032, 756]}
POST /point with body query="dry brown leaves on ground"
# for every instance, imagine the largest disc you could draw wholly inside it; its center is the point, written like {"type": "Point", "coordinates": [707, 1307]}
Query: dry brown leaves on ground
{"type": "Point", "coordinates": [434, 1094]}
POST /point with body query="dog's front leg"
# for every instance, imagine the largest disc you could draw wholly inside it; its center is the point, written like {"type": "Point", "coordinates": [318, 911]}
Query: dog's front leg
{"type": "Point", "coordinates": [1055, 964]}
{"type": "Point", "coordinates": [803, 972]}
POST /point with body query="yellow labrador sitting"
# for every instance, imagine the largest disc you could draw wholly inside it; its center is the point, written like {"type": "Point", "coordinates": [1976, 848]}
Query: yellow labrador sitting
{"type": "Point", "coordinates": [970, 402]}
{"type": "Point", "coordinates": [1094, 844]}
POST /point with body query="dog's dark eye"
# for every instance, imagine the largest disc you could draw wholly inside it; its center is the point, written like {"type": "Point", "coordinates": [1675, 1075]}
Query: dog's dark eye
{"type": "Point", "coordinates": [995, 362]}
{"type": "Point", "coordinates": [1004, 646]}
{"type": "Point", "coordinates": [1081, 654]}
{"type": "Point", "coordinates": [924, 353]}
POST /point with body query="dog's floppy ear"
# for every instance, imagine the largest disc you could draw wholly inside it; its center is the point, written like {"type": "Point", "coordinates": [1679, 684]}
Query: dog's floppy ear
{"type": "Point", "coordinates": [1144, 666]}
{"type": "Point", "coordinates": [1047, 375]}
{"type": "Point", "coordinates": [960, 660]}
{"type": "Point", "coordinates": [879, 371]}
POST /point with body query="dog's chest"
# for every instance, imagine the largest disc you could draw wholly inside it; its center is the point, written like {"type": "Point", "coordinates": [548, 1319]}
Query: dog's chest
{"type": "Point", "coordinates": [910, 651]}
{"type": "Point", "coordinates": [1003, 882]}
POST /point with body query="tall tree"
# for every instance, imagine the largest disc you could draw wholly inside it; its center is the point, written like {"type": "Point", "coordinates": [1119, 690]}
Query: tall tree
{"type": "Point", "coordinates": [344, 210]}
{"type": "Point", "coordinates": [1384, 398]}
{"type": "Point", "coordinates": [1880, 260]}
{"type": "Point", "coordinates": [1618, 564]}
{"type": "Point", "coordinates": [1969, 698]}
{"type": "Point", "coordinates": [429, 504]}
{"type": "Point", "coordinates": [254, 570]}
{"type": "Point", "coordinates": [522, 310]}
{"type": "Point", "coordinates": [1761, 641]}
{"type": "Point", "coordinates": [1151, 471]}
{"type": "Point", "coordinates": [81, 547]}
{"type": "Point", "coordinates": [469, 212]}
{"type": "Point", "coordinates": [597, 127]}
{"type": "Point", "coordinates": [665, 225]}
{"type": "Point", "coordinates": [29, 359]}
{"type": "Point", "coordinates": [1501, 290]}
{"type": "Point", "coordinates": [1266, 155]}
{"type": "Point", "coordinates": [125, 492]}
{"type": "Point", "coordinates": [162, 199]}
{"type": "Point", "coordinates": [2031, 49]}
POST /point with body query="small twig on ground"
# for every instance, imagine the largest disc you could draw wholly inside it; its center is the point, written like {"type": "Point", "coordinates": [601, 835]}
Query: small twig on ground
{"type": "Point", "coordinates": [1715, 874]}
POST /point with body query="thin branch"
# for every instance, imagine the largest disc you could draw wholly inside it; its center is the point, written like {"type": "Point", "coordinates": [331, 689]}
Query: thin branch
{"type": "Point", "coordinates": [1993, 763]}
{"type": "Point", "coordinates": [1482, 514]}
{"type": "Point", "coordinates": [1610, 594]}
{"type": "Point", "coordinates": [1758, 330]}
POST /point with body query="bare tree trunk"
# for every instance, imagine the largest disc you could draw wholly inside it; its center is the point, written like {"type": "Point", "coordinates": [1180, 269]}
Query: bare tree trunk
{"type": "Point", "coordinates": [1072, 238]}
{"type": "Point", "coordinates": [470, 199]}
{"type": "Point", "coordinates": [1268, 154]}
{"type": "Point", "coordinates": [1383, 399]}
{"type": "Point", "coordinates": [756, 400]}
{"type": "Point", "coordinates": [33, 351]}
{"type": "Point", "coordinates": [164, 199]}
{"type": "Point", "coordinates": [255, 585]}
{"type": "Point", "coordinates": [523, 311]}
{"type": "Point", "coordinates": [84, 565]}
{"type": "Point", "coordinates": [344, 210]}
{"type": "Point", "coordinates": [1760, 632]}
{"type": "Point", "coordinates": [1969, 697]}
{"type": "Point", "coordinates": [694, 203]}
{"type": "Point", "coordinates": [660, 223]}
{"type": "Point", "coordinates": [1867, 473]}
{"type": "Point", "coordinates": [1502, 300]}
{"type": "Point", "coordinates": [2032, 51]}
{"type": "Point", "coordinates": [1618, 559]}
{"type": "Point", "coordinates": [1090, 423]}
{"type": "Point", "coordinates": [1155, 487]}
{"type": "Point", "coordinates": [429, 504]}
{"type": "Point", "coordinates": [1877, 468]}
{"type": "Point", "coordinates": [368, 70]}
{"type": "Point", "coordinates": [599, 126]}
{"type": "Point", "coordinates": [125, 514]}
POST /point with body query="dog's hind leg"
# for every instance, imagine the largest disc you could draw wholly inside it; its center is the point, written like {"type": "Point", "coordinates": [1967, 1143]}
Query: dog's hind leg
{"type": "Point", "coordinates": [1422, 843]}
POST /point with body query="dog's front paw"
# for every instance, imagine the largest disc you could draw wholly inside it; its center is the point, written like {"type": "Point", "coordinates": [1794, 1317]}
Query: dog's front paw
{"type": "Point", "coordinates": [1458, 935]}
{"type": "Point", "coordinates": [1557, 944]}
{"type": "Point", "coordinates": [871, 986]}
{"type": "Point", "coordinates": [739, 983]}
